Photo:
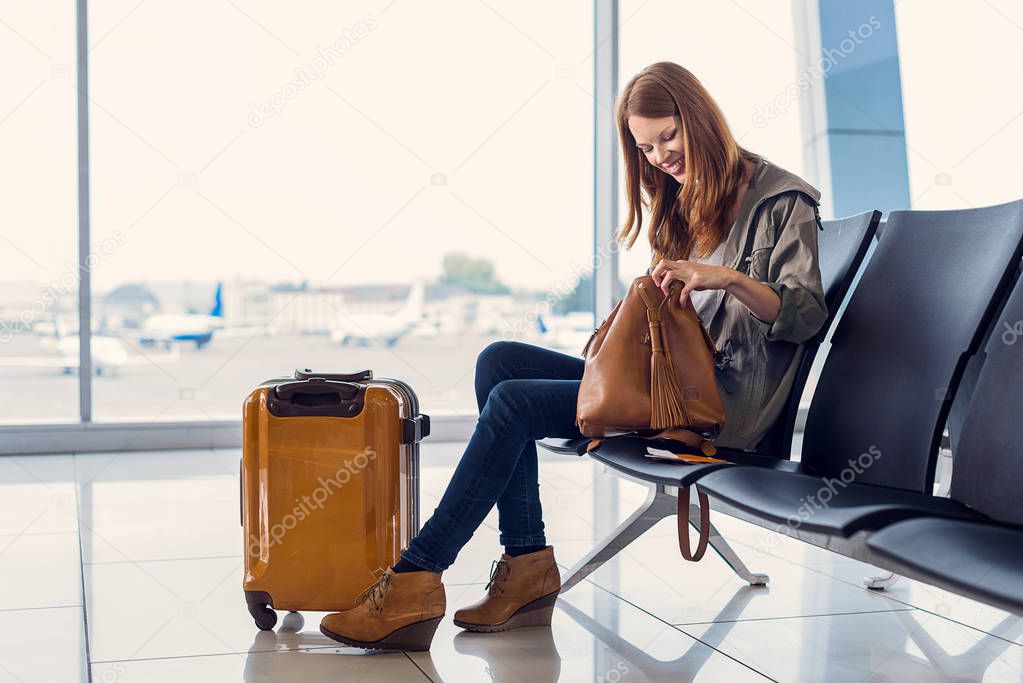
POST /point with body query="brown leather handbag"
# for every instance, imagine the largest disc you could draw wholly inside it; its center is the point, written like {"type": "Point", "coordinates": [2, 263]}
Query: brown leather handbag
{"type": "Point", "coordinates": [649, 371]}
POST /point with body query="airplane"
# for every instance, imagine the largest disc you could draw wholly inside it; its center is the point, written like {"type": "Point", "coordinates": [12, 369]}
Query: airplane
{"type": "Point", "coordinates": [167, 328]}
{"type": "Point", "coordinates": [382, 328]}
{"type": "Point", "coordinates": [568, 333]}
{"type": "Point", "coordinates": [109, 354]}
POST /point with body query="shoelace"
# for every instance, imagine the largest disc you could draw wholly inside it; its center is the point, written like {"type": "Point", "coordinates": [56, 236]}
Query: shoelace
{"type": "Point", "coordinates": [376, 592]}
{"type": "Point", "coordinates": [496, 574]}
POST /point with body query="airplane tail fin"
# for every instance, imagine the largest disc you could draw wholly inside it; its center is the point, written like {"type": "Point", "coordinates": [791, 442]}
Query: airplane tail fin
{"type": "Point", "coordinates": [413, 307]}
{"type": "Point", "coordinates": [540, 323]}
{"type": "Point", "coordinates": [218, 307]}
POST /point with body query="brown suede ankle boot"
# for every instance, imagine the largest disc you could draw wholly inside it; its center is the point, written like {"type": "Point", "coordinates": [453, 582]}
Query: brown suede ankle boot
{"type": "Point", "coordinates": [398, 612]}
{"type": "Point", "coordinates": [521, 592]}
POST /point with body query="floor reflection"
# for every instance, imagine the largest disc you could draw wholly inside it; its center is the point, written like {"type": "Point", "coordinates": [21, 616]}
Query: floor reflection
{"type": "Point", "coordinates": [969, 665]}
{"type": "Point", "coordinates": [690, 661]}
{"type": "Point", "coordinates": [594, 636]}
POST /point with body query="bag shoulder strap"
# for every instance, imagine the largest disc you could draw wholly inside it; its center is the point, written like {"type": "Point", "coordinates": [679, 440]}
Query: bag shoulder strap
{"type": "Point", "coordinates": [684, 521]}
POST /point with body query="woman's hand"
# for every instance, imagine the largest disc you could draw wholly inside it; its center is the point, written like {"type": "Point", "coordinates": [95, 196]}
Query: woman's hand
{"type": "Point", "coordinates": [761, 300]}
{"type": "Point", "coordinates": [695, 277]}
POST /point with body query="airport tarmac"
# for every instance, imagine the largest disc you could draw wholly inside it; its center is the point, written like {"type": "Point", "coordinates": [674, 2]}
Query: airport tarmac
{"type": "Point", "coordinates": [212, 382]}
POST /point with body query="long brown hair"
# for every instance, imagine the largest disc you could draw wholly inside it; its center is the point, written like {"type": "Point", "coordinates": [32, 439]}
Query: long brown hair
{"type": "Point", "coordinates": [690, 219]}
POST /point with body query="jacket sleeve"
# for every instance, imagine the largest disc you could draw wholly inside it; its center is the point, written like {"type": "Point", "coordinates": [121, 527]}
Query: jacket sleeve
{"type": "Point", "coordinates": [793, 271]}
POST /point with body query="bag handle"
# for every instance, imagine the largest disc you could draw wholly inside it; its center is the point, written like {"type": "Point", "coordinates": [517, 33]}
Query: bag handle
{"type": "Point", "coordinates": [684, 521]}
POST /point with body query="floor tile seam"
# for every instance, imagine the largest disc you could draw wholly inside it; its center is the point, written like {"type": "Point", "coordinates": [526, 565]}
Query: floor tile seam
{"type": "Point", "coordinates": [689, 635]}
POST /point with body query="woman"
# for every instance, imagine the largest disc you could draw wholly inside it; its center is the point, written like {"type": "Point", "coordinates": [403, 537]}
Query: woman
{"type": "Point", "coordinates": [741, 235]}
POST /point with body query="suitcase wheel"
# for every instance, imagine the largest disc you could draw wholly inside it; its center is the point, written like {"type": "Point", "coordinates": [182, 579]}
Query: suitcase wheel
{"type": "Point", "coordinates": [259, 603]}
{"type": "Point", "coordinates": [264, 617]}
{"type": "Point", "coordinates": [293, 622]}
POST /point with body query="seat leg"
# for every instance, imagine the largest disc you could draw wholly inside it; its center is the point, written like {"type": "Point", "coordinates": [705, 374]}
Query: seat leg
{"type": "Point", "coordinates": [657, 506]}
{"type": "Point", "coordinates": [727, 553]}
{"type": "Point", "coordinates": [881, 580]}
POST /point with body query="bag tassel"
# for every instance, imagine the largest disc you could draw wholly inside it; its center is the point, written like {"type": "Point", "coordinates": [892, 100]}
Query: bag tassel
{"type": "Point", "coordinates": [666, 398]}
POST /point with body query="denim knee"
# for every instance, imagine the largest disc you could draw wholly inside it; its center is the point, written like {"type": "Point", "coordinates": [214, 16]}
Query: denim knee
{"type": "Point", "coordinates": [486, 365]}
{"type": "Point", "coordinates": [504, 399]}
{"type": "Point", "coordinates": [488, 357]}
{"type": "Point", "coordinates": [508, 407]}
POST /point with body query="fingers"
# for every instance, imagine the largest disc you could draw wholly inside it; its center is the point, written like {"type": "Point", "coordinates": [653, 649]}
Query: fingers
{"type": "Point", "coordinates": [666, 271]}
{"type": "Point", "coordinates": [683, 297]}
{"type": "Point", "coordinates": [666, 281]}
{"type": "Point", "coordinates": [658, 271]}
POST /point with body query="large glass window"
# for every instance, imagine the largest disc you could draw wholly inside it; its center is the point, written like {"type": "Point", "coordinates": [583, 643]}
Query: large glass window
{"type": "Point", "coordinates": [336, 186]}
{"type": "Point", "coordinates": [38, 213]}
{"type": "Point", "coordinates": [962, 96]}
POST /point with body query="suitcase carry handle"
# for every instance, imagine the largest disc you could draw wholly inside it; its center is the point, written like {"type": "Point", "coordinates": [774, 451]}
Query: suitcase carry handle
{"type": "Point", "coordinates": [318, 386]}
{"type": "Point", "coordinates": [360, 376]}
{"type": "Point", "coordinates": [317, 396]}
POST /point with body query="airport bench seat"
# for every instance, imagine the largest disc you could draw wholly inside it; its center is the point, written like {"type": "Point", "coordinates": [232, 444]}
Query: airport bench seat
{"type": "Point", "coordinates": [906, 335]}
{"type": "Point", "coordinates": [823, 505]}
{"type": "Point", "coordinates": [981, 561]}
{"type": "Point", "coordinates": [968, 542]}
{"type": "Point", "coordinates": [626, 455]}
{"type": "Point", "coordinates": [896, 360]}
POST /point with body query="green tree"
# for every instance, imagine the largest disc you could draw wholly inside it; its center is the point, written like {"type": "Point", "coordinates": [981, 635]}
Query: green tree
{"type": "Point", "coordinates": [474, 274]}
{"type": "Point", "coordinates": [580, 298]}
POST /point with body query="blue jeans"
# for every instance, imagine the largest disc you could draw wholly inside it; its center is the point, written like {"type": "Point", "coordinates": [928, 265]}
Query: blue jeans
{"type": "Point", "coordinates": [524, 393]}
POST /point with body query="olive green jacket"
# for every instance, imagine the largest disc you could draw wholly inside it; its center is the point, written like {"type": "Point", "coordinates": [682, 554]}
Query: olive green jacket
{"type": "Point", "coordinates": [773, 240]}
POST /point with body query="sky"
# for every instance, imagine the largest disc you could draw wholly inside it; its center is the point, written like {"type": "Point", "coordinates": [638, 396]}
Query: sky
{"type": "Point", "coordinates": [416, 133]}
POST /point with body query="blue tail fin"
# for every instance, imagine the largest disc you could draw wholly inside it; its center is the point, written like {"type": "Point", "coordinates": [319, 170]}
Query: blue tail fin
{"type": "Point", "coordinates": [218, 308]}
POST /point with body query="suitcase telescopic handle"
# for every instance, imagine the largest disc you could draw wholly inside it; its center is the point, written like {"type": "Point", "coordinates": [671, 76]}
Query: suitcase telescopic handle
{"type": "Point", "coordinates": [360, 376]}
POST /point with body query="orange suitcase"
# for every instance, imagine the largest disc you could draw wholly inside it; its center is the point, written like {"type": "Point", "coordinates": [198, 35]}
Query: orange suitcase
{"type": "Point", "coordinates": [329, 488]}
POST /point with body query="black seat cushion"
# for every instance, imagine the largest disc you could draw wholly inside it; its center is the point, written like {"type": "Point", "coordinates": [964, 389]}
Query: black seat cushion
{"type": "Point", "coordinates": [626, 454]}
{"type": "Point", "coordinates": [578, 447]}
{"type": "Point", "coordinates": [824, 505]}
{"type": "Point", "coordinates": [982, 561]}
{"type": "Point", "coordinates": [564, 446]}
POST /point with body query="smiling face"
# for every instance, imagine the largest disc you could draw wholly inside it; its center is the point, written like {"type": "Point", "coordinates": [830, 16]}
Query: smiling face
{"type": "Point", "coordinates": [660, 140]}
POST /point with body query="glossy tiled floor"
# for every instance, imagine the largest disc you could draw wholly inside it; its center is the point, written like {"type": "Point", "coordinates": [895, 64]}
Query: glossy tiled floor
{"type": "Point", "coordinates": [127, 567]}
